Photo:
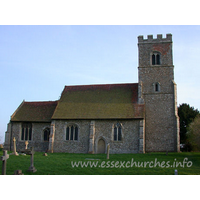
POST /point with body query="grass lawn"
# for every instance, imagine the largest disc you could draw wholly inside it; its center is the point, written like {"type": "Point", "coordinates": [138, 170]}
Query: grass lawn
{"type": "Point", "coordinates": [118, 164]}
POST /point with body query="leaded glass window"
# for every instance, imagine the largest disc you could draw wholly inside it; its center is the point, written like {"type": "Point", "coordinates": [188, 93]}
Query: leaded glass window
{"type": "Point", "coordinates": [72, 132]}
{"type": "Point", "coordinates": [26, 132]}
{"type": "Point", "coordinates": [117, 132]}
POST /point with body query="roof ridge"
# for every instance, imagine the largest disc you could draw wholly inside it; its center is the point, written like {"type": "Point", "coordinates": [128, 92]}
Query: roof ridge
{"type": "Point", "coordinates": [101, 84]}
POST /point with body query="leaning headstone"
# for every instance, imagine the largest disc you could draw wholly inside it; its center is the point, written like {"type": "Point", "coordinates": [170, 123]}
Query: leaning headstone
{"type": "Point", "coordinates": [31, 168]}
{"type": "Point", "coordinates": [14, 147]}
{"type": "Point", "coordinates": [4, 159]}
{"type": "Point", "coordinates": [108, 151]}
{"type": "Point", "coordinates": [26, 144]}
{"type": "Point", "coordinates": [18, 172]}
{"type": "Point", "coordinates": [175, 172]}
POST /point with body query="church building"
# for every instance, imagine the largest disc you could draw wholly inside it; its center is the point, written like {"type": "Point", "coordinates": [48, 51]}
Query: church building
{"type": "Point", "coordinates": [132, 118]}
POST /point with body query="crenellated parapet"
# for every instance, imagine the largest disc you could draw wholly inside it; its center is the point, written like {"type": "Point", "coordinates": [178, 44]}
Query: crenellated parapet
{"type": "Point", "coordinates": [159, 38]}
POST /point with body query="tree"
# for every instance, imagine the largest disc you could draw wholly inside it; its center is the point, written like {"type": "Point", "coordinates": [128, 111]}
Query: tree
{"type": "Point", "coordinates": [187, 115]}
{"type": "Point", "coordinates": [193, 135]}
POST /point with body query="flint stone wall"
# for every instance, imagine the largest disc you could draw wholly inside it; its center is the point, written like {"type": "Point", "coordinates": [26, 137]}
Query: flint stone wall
{"type": "Point", "coordinates": [161, 118]}
{"type": "Point", "coordinates": [37, 137]}
{"type": "Point", "coordinates": [103, 130]}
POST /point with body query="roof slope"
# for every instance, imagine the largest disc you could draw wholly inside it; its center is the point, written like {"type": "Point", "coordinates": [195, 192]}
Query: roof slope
{"type": "Point", "coordinates": [112, 101]}
{"type": "Point", "coordinates": [35, 111]}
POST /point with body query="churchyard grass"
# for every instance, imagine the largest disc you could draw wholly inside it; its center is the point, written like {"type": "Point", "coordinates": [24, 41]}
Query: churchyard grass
{"type": "Point", "coordinates": [119, 164]}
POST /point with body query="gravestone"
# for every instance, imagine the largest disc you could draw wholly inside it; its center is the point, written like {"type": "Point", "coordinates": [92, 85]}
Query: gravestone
{"type": "Point", "coordinates": [18, 172]}
{"type": "Point", "coordinates": [4, 159]}
{"type": "Point", "coordinates": [14, 147]}
{"type": "Point", "coordinates": [108, 151]}
{"type": "Point", "coordinates": [31, 153]}
{"type": "Point", "coordinates": [175, 172]}
{"type": "Point", "coordinates": [45, 154]}
{"type": "Point", "coordinates": [26, 144]}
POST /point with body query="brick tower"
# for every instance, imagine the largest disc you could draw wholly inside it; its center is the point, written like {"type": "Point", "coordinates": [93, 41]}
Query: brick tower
{"type": "Point", "coordinates": [158, 92]}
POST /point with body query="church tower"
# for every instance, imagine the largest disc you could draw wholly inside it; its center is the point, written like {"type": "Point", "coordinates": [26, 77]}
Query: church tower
{"type": "Point", "coordinates": [157, 90]}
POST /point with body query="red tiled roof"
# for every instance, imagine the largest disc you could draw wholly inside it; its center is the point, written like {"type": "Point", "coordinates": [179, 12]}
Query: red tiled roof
{"type": "Point", "coordinates": [35, 111]}
{"type": "Point", "coordinates": [110, 101]}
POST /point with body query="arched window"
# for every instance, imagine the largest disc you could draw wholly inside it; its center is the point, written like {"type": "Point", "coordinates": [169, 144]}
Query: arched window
{"type": "Point", "coordinates": [156, 58]}
{"type": "Point", "coordinates": [117, 132]}
{"type": "Point", "coordinates": [157, 87]}
{"type": "Point", "coordinates": [153, 59]}
{"type": "Point", "coordinates": [26, 133]}
{"type": "Point", "coordinates": [46, 134]}
{"type": "Point", "coordinates": [72, 132]}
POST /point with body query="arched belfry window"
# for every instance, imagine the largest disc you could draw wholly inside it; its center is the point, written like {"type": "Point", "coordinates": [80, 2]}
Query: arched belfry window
{"type": "Point", "coordinates": [155, 58]}
{"type": "Point", "coordinates": [158, 59]}
{"type": "Point", "coordinates": [118, 132]}
{"type": "Point", "coordinates": [72, 132]}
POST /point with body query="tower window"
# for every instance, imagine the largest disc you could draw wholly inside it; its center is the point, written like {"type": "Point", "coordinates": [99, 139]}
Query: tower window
{"type": "Point", "coordinates": [158, 59]}
{"type": "Point", "coordinates": [155, 59]}
{"type": "Point", "coordinates": [157, 87]}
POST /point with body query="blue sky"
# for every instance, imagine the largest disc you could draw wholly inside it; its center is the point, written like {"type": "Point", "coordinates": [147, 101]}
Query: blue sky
{"type": "Point", "coordinates": [36, 62]}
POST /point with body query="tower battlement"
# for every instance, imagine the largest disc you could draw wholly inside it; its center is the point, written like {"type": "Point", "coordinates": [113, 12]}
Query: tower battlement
{"type": "Point", "coordinates": [159, 38]}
